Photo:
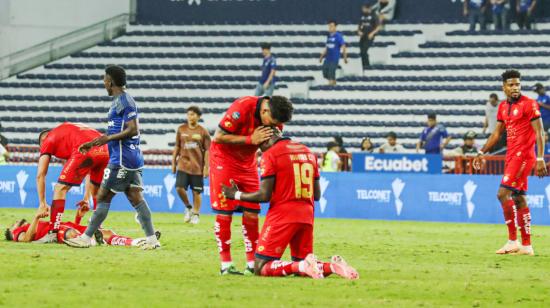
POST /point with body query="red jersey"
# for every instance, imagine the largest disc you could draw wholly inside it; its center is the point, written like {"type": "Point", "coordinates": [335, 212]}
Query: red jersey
{"type": "Point", "coordinates": [242, 118]}
{"type": "Point", "coordinates": [41, 230]}
{"type": "Point", "coordinates": [65, 139]}
{"type": "Point", "coordinates": [295, 170]}
{"type": "Point", "coordinates": [517, 118]}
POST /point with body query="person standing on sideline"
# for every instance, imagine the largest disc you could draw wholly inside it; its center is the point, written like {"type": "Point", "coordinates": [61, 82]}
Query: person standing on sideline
{"type": "Point", "coordinates": [334, 48]}
{"type": "Point", "coordinates": [331, 160]}
{"type": "Point", "coordinates": [475, 11]}
{"type": "Point", "coordinates": [434, 138]}
{"type": "Point", "coordinates": [266, 86]}
{"type": "Point", "coordinates": [491, 109]}
{"type": "Point", "coordinates": [190, 158]}
{"type": "Point", "coordinates": [544, 104]}
{"type": "Point", "coordinates": [368, 27]}
{"type": "Point", "coordinates": [124, 171]}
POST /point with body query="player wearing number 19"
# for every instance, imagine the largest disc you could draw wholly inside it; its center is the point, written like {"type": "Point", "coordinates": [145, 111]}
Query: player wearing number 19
{"type": "Point", "coordinates": [290, 181]}
{"type": "Point", "coordinates": [123, 174]}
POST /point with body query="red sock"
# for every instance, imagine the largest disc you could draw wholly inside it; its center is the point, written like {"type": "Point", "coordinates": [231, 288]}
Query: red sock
{"type": "Point", "coordinates": [117, 240]}
{"type": "Point", "coordinates": [279, 268]}
{"type": "Point", "coordinates": [509, 210]}
{"type": "Point", "coordinates": [250, 236]}
{"type": "Point", "coordinates": [325, 267]}
{"type": "Point", "coordinates": [94, 200]}
{"type": "Point", "coordinates": [58, 207]}
{"type": "Point", "coordinates": [524, 222]}
{"type": "Point", "coordinates": [77, 220]}
{"type": "Point", "coordinates": [222, 230]}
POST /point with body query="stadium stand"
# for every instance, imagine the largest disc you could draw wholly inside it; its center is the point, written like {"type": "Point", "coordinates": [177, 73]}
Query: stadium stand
{"type": "Point", "coordinates": [171, 67]}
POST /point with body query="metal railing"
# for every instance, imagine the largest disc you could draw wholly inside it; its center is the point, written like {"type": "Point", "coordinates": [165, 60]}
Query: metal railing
{"type": "Point", "coordinates": [62, 46]}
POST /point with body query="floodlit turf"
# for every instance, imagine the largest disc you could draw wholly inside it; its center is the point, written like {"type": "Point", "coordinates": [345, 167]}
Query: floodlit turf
{"type": "Point", "coordinates": [401, 264]}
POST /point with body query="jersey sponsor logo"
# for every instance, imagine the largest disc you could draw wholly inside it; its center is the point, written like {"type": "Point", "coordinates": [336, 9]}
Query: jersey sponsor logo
{"type": "Point", "coordinates": [190, 145]}
{"type": "Point", "coordinates": [132, 114]}
{"type": "Point", "coordinates": [236, 115]}
{"type": "Point", "coordinates": [22, 177]}
{"type": "Point", "coordinates": [403, 164]}
{"type": "Point", "coordinates": [197, 137]}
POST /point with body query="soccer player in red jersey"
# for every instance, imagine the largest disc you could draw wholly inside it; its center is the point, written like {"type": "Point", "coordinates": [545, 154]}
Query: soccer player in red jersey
{"type": "Point", "coordinates": [233, 156]}
{"type": "Point", "coordinates": [290, 181]}
{"type": "Point", "coordinates": [36, 231]}
{"type": "Point", "coordinates": [63, 142]}
{"type": "Point", "coordinates": [520, 116]}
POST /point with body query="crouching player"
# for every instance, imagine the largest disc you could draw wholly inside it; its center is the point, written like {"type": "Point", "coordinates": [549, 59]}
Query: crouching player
{"type": "Point", "coordinates": [290, 181]}
{"type": "Point", "coordinates": [36, 231]}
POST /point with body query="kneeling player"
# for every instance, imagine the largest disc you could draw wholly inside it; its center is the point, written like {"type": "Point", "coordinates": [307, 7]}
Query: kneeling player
{"type": "Point", "coordinates": [36, 231]}
{"type": "Point", "coordinates": [290, 181]}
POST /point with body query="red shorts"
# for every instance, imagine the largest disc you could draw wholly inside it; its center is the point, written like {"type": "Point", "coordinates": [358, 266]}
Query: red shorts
{"type": "Point", "coordinates": [247, 181]}
{"type": "Point", "coordinates": [79, 165]}
{"type": "Point", "coordinates": [516, 171]}
{"type": "Point", "coordinates": [275, 238]}
{"type": "Point", "coordinates": [64, 226]}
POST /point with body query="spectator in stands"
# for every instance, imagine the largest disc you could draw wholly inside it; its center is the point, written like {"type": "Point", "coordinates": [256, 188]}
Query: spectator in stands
{"type": "Point", "coordinates": [391, 146]}
{"type": "Point", "coordinates": [468, 148]}
{"type": "Point", "coordinates": [434, 138]}
{"type": "Point", "coordinates": [340, 141]}
{"type": "Point", "coordinates": [475, 11]}
{"type": "Point", "coordinates": [544, 104]}
{"type": "Point", "coordinates": [267, 81]}
{"type": "Point", "coordinates": [4, 154]}
{"type": "Point", "coordinates": [525, 9]}
{"type": "Point", "coordinates": [501, 11]}
{"type": "Point", "coordinates": [368, 27]}
{"type": "Point", "coordinates": [366, 145]}
{"type": "Point", "coordinates": [331, 159]}
{"type": "Point", "coordinates": [491, 109]}
{"type": "Point", "coordinates": [335, 46]}
{"type": "Point", "coordinates": [385, 9]}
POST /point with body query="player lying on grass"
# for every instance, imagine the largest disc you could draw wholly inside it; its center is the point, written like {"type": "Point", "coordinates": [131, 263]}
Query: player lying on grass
{"type": "Point", "coordinates": [36, 231]}
{"type": "Point", "coordinates": [290, 182]}
{"type": "Point", "coordinates": [62, 142]}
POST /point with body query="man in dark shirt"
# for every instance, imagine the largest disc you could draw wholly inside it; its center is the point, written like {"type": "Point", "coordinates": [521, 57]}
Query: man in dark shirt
{"type": "Point", "coordinates": [267, 81]}
{"type": "Point", "coordinates": [544, 104]}
{"type": "Point", "coordinates": [369, 26]}
{"type": "Point", "coordinates": [434, 138]}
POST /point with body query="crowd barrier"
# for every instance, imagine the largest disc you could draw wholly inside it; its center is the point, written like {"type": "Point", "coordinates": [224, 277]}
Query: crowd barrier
{"type": "Point", "coordinates": [390, 196]}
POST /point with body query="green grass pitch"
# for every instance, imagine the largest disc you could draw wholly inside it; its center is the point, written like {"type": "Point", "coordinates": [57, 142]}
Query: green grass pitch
{"type": "Point", "coordinates": [402, 264]}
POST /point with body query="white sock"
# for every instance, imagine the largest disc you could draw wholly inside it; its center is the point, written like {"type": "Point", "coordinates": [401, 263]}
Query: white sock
{"type": "Point", "coordinates": [85, 237]}
{"type": "Point", "coordinates": [512, 242]}
{"type": "Point", "coordinates": [250, 264]}
{"type": "Point", "coordinates": [528, 247]}
{"type": "Point", "coordinates": [301, 266]}
{"type": "Point", "coordinates": [226, 265]}
{"type": "Point", "coordinates": [152, 238]}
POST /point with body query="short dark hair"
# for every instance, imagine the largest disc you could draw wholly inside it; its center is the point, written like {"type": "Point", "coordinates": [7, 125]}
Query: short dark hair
{"type": "Point", "coordinates": [117, 74]}
{"type": "Point", "coordinates": [332, 144]}
{"type": "Point", "coordinates": [392, 135]}
{"type": "Point", "coordinates": [432, 116]}
{"type": "Point", "coordinates": [42, 133]}
{"type": "Point", "coordinates": [281, 108]}
{"type": "Point", "coordinates": [493, 95]}
{"type": "Point", "coordinates": [8, 235]}
{"type": "Point", "coordinates": [265, 46]}
{"type": "Point", "coordinates": [339, 140]}
{"type": "Point", "coordinates": [332, 21]}
{"type": "Point", "coordinates": [509, 74]}
{"type": "Point", "coordinates": [195, 109]}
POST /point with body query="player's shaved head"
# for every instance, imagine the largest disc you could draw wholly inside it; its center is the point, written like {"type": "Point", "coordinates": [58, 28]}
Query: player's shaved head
{"type": "Point", "coordinates": [277, 134]}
